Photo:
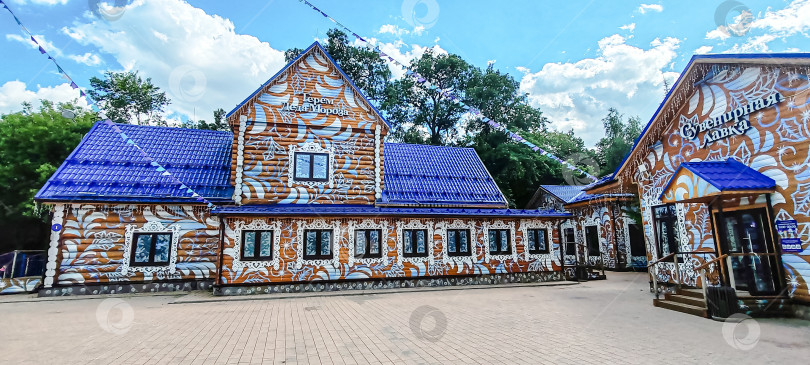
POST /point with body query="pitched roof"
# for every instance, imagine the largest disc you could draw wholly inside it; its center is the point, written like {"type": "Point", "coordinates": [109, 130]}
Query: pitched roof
{"type": "Point", "coordinates": [104, 168]}
{"type": "Point", "coordinates": [683, 82]}
{"type": "Point", "coordinates": [728, 175]}
{"type": "Point", "coordinates": [424, 175]}
{"type": "Point", "coordinates": [563, 192]}
{"type": "Point", "coordinates": [314, 46]}
{"type": "Point", "coordinates": [370, 210]}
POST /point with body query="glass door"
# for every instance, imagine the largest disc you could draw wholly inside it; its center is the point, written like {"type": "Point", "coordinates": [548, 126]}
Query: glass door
{"type": "Point", "coordinates": [747, 241]}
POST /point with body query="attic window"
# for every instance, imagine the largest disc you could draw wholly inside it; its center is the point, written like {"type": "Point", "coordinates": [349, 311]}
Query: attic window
{"type": "Point", "coordinates": [311, 166]}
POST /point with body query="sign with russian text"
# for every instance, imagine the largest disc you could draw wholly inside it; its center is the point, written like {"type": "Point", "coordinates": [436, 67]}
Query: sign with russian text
{"type": "Point", "coordinates": [316, 105]}
{"type": "Point", "coordinates": [716, 128]}
{"type": "Point", "coordinates": [788, 235]}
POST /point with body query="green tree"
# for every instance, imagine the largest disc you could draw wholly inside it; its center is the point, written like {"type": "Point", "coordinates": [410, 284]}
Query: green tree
{"type": "Point", "coordinates": [219, 123]}
{"type": "Point", "coordinates": [410, 104]}
{"type": "Point", "coordinates": [620, 136]}
{"type": "Point", "coordinates": [127, 98]}
{"type": "Point", "coordinates": [363, 66]}
{"type": "Point", "coordinates": [32, 146]}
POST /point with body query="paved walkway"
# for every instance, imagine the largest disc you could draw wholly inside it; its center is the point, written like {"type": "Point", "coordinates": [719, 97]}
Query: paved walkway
{"type": "Point", "coordinates": [597, 322]}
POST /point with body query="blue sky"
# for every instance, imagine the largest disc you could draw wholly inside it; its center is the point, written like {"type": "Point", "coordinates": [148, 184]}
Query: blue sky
{"type": "Point", "coordinates": [575, 59]}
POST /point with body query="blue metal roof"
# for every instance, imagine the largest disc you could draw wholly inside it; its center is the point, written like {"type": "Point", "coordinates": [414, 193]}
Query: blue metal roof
{"type": "Point", "coordinates": [583, 196]}
{"type": "Point", "coordinates": [370, 210]}
{"type": "Point", "coordinates": [104, 168]}
{"type": "Point", "coordinates": [728, 175]}
{"type": "Point", "coordinates": [437, 175]}
{"type": "Point", "coordinates": [304, 52]}
{"type": "Point", "coordinates": [564, 192]}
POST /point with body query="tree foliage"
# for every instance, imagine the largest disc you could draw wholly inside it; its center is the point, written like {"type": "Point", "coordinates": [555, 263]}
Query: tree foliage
{"type": "Point", "coordinates": [127, 98]}
{"type": "Point", "coordinates": [219, 123]}
{"type": "Point", "coordinates": [363, 66]}
{"type": "Point", "coordinates": [620, 135]}
{"type": "Point", "coordinates": [32, 146]}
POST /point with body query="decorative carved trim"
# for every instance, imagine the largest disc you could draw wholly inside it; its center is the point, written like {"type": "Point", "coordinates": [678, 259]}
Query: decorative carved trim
{"type": "Point", "coordinates": [53, 248]}
{"type": "Point", "coordinates": [256, 225]}
{"type": "Point", "coordinates": [569, 259]}
{"type": "Point", "coordinates": [499, 224]}
{"type": "Point", "coordinates": [240, 160]}
{"type": "Point", "coordinates": [369, 224]}
{"type": "Point", "coordinates": [313, 147]}
{"type": "Point", "coordinates": [592, 220]}
{"type": "Point", "coordinates": [150, 227]}
{"type": "Point", "coordinates": [377, 163]}
{"type": "Point", "coordinates": [318, 224]}
{"type": "Point", "coordinates": [525, 226]}
{"type": "Point", "coordinates": [415, 224]}
{"type": "Point", "coordinates": [443, 227]}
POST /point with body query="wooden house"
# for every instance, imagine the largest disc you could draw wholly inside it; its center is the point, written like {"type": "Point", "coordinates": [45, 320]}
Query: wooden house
{"type": "Point", "coordinates": [308, 196]}
{"type": "Point", "coordinates": [601, 234]}
{"type": "Point", "coordinates": [721, 172]}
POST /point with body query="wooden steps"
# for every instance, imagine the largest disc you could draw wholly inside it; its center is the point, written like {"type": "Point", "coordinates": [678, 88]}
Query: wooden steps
{"type": "Point", "coordinates": [689, 301]}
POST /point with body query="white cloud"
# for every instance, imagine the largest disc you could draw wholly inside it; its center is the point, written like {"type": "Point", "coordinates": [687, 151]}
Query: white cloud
{"type": "Point", "coordinates": [644, 8]}
{"type": "Point", "coordinates": [419, 30]}
{"type": "Point", "coordinates": [703, 49]}
{"type": "Point", "coordinates": [793, 19]}
{"type": "Point", "coordinates": [392, 29]}
{"type": "Point", "coordinates": [42, 2]}
{"type": "Point", "coordinates": [631, 27]}
{"type": "Point", "coordinates": [401, 52]}
{"type": "Point", "coordinates": [491, 62]}
{"type": "Point", "coordinates": [14, 93]}
{"type": "Point", "coordinates": [88, 59]}
{"type": "Point", "coordinates": [196, 58]}
{"type": "Point", "coordinates": [754, 34]}
{"type": "Point", "coordinates": [48, 46]}
{"type": "Point", "coordinates": [577, 95]}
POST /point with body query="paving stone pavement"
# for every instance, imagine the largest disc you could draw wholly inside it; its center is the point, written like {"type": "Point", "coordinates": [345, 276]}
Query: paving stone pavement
{"type": "Point", "coordinates": [599, 322]}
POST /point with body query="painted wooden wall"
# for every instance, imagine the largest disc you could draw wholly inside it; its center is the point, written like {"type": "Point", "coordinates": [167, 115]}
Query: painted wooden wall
{"type": "Point", "coordinates": [776, 146]}
{"type": "Point", "coordinates": [90, 248]}
{"type": "Point", "coordinates": [288, 265]}
{"type": "Point", "coordinates": [261, 163]}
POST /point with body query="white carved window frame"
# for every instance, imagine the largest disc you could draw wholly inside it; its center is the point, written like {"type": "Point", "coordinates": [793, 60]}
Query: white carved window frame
{"type": "Point", "coordinates": [256, 225]}
{"type": "Point", "coordinates": [592, 221]}
{"type": "Point", "coordinates": [311, 147]}
{"type": "Point", "coordinates": [303, 226]}
{"type": "Point", "coordinates": [499, 224]}
{"type": "Point", "coordinates": [415, 224]}
{"type": "Point", "coordinates": [150, 228]}
{"type": "Point", "coordinates": [564, 243]}
{"type": "Point", "coordinates": [525, 226]}
{"type": "Point", "coordinates": [444, 228]}
{"type": "Point", "coordinates": [369, 224]}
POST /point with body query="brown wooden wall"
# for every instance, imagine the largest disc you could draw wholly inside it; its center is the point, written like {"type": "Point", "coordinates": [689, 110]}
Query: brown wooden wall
{"type": "Point", "coordinates": [260, 153]}
{"type": "Point", "coordinates": [291, 268]}
{"type": "Point", "coordinates": [91, 244]}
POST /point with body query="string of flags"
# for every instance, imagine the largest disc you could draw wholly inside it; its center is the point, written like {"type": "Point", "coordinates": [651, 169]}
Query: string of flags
{"type": "Point", "coordinates": [129, 141]}
{"type": "Point", "coordinates": [447, 93]}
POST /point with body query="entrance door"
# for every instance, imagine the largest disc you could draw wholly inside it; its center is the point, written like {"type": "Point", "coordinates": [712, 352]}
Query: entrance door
{"type": "Point", "coordinates": [749, 232]}
{"type": "Point", "coordinates": [592, 240]}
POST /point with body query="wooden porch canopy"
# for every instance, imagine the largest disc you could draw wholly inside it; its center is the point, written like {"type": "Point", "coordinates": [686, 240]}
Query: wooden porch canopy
{"type": "Point", "coordinates": [700, 182]}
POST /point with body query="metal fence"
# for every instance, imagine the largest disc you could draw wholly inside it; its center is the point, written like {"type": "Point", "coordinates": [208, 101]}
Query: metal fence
{"type": "Point", "coordinates": [22, 263]}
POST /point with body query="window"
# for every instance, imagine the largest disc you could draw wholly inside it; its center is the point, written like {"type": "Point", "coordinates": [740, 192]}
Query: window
{"type": "Point", "coordinates": [317, 244]}
{"type": "Point", "coordinates": [537, 241]}
{"type": "Point", "coordinates": [499, 243]}
{"type": "Point", "coordinates": [592, 239]}
{"type": "Point", "coordinates": [664, 219]}
{"type": "Point", "coordinates": [152, 249]}
{"type": "Point", "coordinates": [367, 243]}
{"type": "Point", "coordinates": [311, 166]}
{"type": "Point", "coordinates": [414, 243]}
{"type": "Point", "coordinates": [570, 242]}
{"type": "Point", "coordinates": [458, 242]}
{"type": "Point", "coordinates": [257, 245]}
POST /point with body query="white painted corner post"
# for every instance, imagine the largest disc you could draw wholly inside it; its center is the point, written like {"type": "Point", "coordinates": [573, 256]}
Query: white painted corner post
{"type": "Point", "coordinates": [53, 248]}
